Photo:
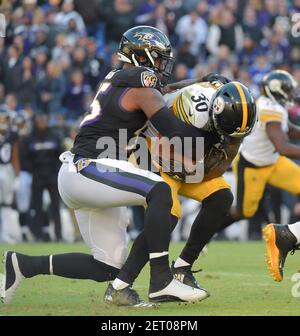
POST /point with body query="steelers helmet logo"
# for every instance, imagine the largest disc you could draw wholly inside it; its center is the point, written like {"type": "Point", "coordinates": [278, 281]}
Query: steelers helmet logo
{"type": "Point", "coordinates": [275, 85]}
{"type": "Point", "coordinates": [219, 105]}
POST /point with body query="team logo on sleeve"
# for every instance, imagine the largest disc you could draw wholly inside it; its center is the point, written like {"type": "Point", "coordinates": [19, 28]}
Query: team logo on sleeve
{"type": "Point", "coordinates": [148, 79]}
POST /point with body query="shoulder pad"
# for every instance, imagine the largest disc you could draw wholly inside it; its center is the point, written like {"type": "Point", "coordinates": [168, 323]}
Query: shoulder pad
{"type": "Point", "coordinates": [136, 77]}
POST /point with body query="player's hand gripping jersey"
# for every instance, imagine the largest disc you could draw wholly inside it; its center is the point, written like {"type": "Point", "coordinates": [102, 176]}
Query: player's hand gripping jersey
{"type": "Point", "coordinates": [257, 148]}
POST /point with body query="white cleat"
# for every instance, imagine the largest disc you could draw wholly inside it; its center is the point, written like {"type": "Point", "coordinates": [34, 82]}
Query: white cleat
{"type": "Point", "coordinates": [11, 278]}
{"type": "Point", "coordinates": [177, 291]}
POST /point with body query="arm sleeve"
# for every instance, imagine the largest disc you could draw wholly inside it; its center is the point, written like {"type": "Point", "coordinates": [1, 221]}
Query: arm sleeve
{"type": "Point", "coordinates": [169, 126]}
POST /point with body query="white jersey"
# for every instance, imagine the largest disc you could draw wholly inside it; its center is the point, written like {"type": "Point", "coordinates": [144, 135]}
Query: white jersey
{"type": "Point", "coordinates": [257, 148]}
{"type": "Point", "coordinates": [190, 104]}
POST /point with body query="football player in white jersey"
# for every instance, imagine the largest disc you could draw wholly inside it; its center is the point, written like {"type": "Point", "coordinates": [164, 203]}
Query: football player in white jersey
{"type": "Point", "coordinates": [265, 158]}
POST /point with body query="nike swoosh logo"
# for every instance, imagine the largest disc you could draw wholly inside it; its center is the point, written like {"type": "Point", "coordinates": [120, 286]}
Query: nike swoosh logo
{"type": "Point", "coordinates": [190, 114]}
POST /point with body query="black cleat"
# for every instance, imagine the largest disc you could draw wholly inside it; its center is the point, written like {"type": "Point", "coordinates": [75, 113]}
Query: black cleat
{"type": "Point", "coordinates": [185, 275]}
{"type": "Point", "coordinates": [279, 242]}
{"type": "Point", "coordinates": [125, 297]}
{"type": "Point", "coordinates": [11, 278]}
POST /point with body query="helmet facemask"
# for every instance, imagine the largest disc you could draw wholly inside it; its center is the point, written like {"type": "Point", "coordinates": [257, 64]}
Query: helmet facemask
{"type": "Point", "coordinates": [148, 47]}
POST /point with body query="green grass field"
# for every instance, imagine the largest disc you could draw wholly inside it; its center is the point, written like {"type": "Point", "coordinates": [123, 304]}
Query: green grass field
{"type": "Point", "coordinates": [234, 273]}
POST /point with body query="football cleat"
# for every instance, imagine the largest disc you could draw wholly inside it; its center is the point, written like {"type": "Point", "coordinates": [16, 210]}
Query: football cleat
{"type": "Point", "coordinates": [125, 297]}
{"type": "Point", "coordinates": [185, 275]}
{"type": "Point", "coordinates": [11, 278]}
{"type": "Point", "coordinates": [177, 291]}
{"type": "Point", "coordinates": [279, 242]}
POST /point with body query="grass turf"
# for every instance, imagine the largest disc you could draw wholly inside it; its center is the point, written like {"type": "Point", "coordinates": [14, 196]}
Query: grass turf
{"type": "Point", "coordinates": [234, 273]}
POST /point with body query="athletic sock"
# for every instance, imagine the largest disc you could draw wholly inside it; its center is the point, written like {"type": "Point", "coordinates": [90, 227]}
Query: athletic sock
{"type": "Point", "coordinates": [68, 265]}
{"type": "Point", "coordinates": [207, 223]}
{"type": "Point", "coordinates": [119, 284]}
{"type": "Point", "coordinates": [181, 263]}
{"type": "Point", "coordinates": [295, 229]}
{"type": "Point", "coordinates": [227, 221]}
{"type": "Point", "coordinates": [138, 256]}
{"type": "Point", "coordinates": [160, 273]}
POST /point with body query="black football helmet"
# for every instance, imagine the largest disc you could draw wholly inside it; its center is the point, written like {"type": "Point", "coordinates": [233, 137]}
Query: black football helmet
{"type": "Point", "coordinates": [149, 47]}
{"type": "Point", "coordinates": [233, 110]}
{"type": "Point", "coordinates": [280, 86]}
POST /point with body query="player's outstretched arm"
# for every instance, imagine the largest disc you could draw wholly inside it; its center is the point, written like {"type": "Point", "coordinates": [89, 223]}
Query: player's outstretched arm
{"type": "Point", "coordinates": [211, 77]}
{"type": "Point", "coordinates": [151, 102]}
{"type": "Point", "coordinates": [280, 141]}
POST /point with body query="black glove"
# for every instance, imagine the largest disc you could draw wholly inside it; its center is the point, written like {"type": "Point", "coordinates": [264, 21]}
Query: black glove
{"type": "Point", "coordinates": [214, 77]}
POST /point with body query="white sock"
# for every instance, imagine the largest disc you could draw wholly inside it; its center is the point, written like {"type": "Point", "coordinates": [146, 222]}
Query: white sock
{"type": "Point", "coordinates": [180, 263]}
{"type": "Point", "coordinates": [119, 284]}
{"type": "Point", "coordinates": [295, 229]}
{"type": "Point", "coordinates": [157, 255]}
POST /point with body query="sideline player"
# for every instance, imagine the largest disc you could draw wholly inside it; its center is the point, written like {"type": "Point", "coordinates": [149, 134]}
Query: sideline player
{"type": "Point", "coordinates": [125, 100]}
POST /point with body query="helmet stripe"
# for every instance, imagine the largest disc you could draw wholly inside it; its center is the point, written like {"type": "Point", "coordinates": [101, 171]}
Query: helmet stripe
{"type": "Point", "coordinates": [244, 105]}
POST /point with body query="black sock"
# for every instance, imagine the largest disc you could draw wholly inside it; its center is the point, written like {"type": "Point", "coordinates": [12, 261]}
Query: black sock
{"type": "Point", "coordinates": [160, 273]}
{"type": "Point", "coordinates": [228, 220]}
{"type": "Point", "coordinates": [31, 266]}
{"type": "Point", "coordinates": [207, 223]}
{"type": "Point", "coordinates": [68, 265]}
{"type": "Point", "coordinates": [138, 257]}
{"type": "Point", "coordinates": [156, 235]}
{"type": "Point", "coordinates": [158, 220]}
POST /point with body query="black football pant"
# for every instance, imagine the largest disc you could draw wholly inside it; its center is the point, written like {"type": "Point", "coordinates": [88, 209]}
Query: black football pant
{"type": "Point", "coordinates": [38, 186]}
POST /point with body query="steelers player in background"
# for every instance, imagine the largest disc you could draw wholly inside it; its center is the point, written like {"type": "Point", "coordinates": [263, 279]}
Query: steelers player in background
{"type": "Point", "coordinates": [265, 158]}
{"type": "Point", "coordinates": [9, 172]}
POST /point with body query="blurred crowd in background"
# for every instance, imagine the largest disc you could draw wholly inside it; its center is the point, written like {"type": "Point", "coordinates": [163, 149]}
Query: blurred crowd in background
{"type": "Point", "coordinates": [56, 52]}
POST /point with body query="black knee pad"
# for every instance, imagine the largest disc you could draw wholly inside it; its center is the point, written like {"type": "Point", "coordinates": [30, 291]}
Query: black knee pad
{"type": "Point", "coordinates": [161, 192]}
{"type": "Point", "coordinates": [220, 200]}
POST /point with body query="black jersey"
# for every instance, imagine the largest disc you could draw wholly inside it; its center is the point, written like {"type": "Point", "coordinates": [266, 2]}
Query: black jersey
{"type": "Point", "coordinates": [107, 117]}
{"type": "Point", "coordinates": [7, 142]}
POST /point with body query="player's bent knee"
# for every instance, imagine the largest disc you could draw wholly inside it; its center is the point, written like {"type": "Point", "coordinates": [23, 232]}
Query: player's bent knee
{"type": "Point", "coordinates": [161, 192]}
{"type": "Point", "coordinates": [115, 258]}
{"type": "Point", "coordinates": [221, 200]}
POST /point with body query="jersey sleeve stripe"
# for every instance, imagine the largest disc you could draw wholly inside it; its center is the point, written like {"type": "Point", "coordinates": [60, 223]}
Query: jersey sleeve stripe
{"type": "Point", "coordinates": [270, 112]}
{"type": "Point", "coordinates": [267, 117]}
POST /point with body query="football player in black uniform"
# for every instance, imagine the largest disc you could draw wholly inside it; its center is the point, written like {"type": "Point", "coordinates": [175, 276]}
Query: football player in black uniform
{"type": "Point", "coordinates": [125, 100]}
{"type": "Point", "coordinates": [9, 171]}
